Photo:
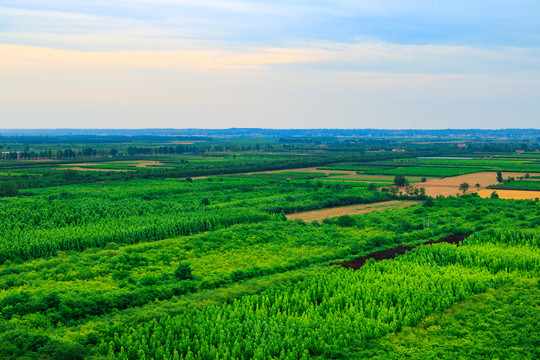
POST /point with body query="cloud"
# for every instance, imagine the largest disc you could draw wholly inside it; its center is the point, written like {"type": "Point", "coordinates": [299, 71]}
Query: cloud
{"type": "Point", "coordinates": [333, 57]}
{"type": "Point", "coordinates": [296, 63]}
{"type": "Point", "coordinates": [465, 23]}
{"type": "Point", "coordinates": [17, 57]}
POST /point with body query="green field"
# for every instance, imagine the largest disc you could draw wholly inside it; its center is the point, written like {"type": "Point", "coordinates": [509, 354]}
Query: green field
{"type": "Point", "coordinates": [530, 185]}
{"type": "Point", "coordinates": [441, 167]}
{"type": "Point", "coordinates": [192, 256]}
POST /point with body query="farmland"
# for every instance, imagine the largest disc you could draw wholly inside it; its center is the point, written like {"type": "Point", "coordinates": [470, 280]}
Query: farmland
{"type": "Point", "coordinates": [450, 185]}
{"type": "Point", "coordinates": [319, 215]}
{"type": "Point", "coordinates": [220, 249]}
{"type": "Point", "coordinates": [511, 194]}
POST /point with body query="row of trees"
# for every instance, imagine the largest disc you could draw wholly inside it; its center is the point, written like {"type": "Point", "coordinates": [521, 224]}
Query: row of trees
{"type": "Point", "coordinates": [150, 210]}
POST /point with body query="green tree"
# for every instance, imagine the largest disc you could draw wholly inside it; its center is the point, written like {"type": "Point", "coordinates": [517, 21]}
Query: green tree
{"type": "Point", "coordinates": [183, 272]}
{"type": "Point", "coordinates": [499, 177]}
{"type": "Point", "coordinates": [464, 187]}
{"type": "Point", "coordinates": [400, 181]}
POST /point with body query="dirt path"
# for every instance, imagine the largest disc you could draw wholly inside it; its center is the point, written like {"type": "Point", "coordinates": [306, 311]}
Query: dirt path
{"type": "Point", "coordinates": [322, 214]}
{"type": "Point", "coordinates": [392, 253]}
{"type": "Point", "coordinates": [450, 185]}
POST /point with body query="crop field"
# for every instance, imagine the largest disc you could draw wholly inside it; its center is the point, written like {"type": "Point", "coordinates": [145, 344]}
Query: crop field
{"type": "Point", "coordinates": [450, 186]}
{"type": "Point", "coordinates": [279, 248]}
{"type": "Point", "coordinates": [511, 194]}
{"type": "Point", "coordinates": [531, 185]}
{"type": "Point", "coordinates": [441, 167]}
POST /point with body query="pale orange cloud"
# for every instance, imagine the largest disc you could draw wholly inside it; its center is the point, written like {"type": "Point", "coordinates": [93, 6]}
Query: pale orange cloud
{"type": "Point", "coordinates": [17, 57]}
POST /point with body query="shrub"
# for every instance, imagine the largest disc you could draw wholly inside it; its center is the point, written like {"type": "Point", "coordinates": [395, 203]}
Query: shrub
{"type": "Point", "coordinates": [346, 221]}
{"type": "Point", "coordinates": [183, 272]}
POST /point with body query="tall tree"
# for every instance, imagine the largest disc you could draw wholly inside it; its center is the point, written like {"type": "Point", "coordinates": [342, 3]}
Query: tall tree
{"type": "Point", "coordinates": [400, 181]}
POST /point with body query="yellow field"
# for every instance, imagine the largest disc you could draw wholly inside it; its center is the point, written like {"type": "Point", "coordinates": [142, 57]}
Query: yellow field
{"type": "Point", "coordinates": [511, 194]}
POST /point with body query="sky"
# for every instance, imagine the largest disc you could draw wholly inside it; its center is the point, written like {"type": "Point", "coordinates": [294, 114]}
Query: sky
{"type": "Point", "coordinates": [272, 64]}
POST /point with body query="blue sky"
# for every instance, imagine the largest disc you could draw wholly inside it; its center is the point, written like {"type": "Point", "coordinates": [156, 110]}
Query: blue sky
{"type": "Point", "coordinates": [210, 63]}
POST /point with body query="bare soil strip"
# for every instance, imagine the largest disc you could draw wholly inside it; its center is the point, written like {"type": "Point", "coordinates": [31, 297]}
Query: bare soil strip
{"type": "Point", "coordinates": [322, 214]}
{"type": "Point", "coordinates": [450, 185]}
{"type": "Point", "coordinates": [392, 253]}
{"type": "Point", "coordinates": [148, 163]}
{"type": "Point", "coordinates": [511, 194]}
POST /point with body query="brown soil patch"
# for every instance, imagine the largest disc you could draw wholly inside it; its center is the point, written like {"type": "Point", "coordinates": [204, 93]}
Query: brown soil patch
{"type": "Point", "coordinates": [511, 194]}
{"type": "Point", "coordinates": [449, 186]}
{"type": "Point", "coordinates": [148, 163]}
{"type": "Point", "coordinates": [322, 214]}
{"type": "Point", "coordinates": [392, 253]}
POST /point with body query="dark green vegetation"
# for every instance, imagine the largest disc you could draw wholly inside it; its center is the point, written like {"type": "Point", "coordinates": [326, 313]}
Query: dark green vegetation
{"type": "Point", "coordinates": [45, 221]}
{"type": "Point", "coordinates": [531, 185]}
{"type": "Point", "coordinates": [440, 167]}
{"type": "Point", "coordinates": [143, 260]}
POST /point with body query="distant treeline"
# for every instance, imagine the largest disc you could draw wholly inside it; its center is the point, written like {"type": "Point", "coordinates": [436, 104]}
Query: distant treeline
{"type": "Point", "coordinates": [257, 132]}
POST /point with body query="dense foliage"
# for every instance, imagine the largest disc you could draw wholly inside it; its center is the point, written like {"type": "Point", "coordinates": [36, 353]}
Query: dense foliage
{"type": "Point", "coordinates": [531, 185]}
{"type": "Point", "coordinates": [322, 315]}
{"type": "Point", "coordinates": [501, 323]}
{"type": "Point", "coordinates": [72, 291]}
{"type": "Point", "coordinates": [77, 218]}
